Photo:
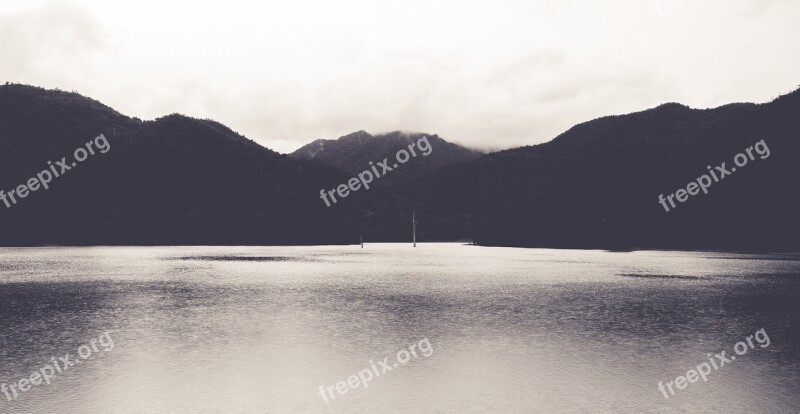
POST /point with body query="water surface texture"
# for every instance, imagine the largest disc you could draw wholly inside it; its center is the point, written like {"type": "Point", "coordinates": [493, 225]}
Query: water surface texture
{"type": "Point", "coordinates": [260, 329]}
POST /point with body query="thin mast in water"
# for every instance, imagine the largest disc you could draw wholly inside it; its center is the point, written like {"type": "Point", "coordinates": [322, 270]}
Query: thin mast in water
{"type": "Point", "coordinates": [414, 227]}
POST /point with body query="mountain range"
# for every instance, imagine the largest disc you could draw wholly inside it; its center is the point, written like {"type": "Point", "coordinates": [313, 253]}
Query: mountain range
{"type": "Point", "coordinates": [180, 180]}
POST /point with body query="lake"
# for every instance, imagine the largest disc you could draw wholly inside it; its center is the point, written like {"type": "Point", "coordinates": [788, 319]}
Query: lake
{"type": "Point", "coordinates": [275, 329]}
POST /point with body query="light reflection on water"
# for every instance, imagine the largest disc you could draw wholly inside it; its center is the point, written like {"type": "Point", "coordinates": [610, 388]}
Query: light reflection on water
{"type": "Point", "coordinates": [259, 329]}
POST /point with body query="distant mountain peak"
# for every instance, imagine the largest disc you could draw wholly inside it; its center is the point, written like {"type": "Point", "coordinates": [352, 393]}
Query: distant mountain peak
{"type": "Point", "coordinates": [353, 152]}
{"type": "Point", "coordinates": [672, 105]}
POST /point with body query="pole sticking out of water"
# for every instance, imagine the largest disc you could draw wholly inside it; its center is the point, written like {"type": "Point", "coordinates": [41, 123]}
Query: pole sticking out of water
{"type": "Point", "coordinates": [414, 227]}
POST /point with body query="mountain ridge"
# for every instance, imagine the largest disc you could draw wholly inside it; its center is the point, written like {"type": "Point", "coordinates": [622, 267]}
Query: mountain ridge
{"type": "Point", "coordinates": [172, 180]}
{"type": "Point", "coordinates": [595, 185]}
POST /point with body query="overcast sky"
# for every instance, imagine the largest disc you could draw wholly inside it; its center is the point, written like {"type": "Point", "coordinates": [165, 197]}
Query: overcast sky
{"type": "Point", "coordinates": [493, 74]}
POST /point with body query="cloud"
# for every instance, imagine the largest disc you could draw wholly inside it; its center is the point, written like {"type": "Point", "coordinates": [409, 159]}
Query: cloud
{"type": "Point", "coordinates": [54, 41]}
{"type": "Point", "coordinates": [480, 74]}
{"type": "Point", "coordinates": [759, 7]}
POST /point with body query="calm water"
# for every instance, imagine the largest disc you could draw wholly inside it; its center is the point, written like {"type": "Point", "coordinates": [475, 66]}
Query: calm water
{"type": "Point", "coordinates": [259, 329]}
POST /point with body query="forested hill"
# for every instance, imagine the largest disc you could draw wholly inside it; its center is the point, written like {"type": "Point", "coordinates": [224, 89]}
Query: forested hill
{"type": "Point", "coordinates": [597, 184]}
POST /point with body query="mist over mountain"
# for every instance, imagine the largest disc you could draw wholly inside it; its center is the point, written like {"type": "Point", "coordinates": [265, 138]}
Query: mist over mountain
{"type": "Point", "coordinates": [353, 153]}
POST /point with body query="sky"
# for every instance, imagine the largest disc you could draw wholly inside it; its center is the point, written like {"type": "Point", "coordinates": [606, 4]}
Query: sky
{"type": "Point", "coordinates": [488, 75]}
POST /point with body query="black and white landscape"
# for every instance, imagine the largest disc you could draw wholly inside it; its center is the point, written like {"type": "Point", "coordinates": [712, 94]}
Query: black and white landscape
{"type": "Point", "coordinates": [399, 207]}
